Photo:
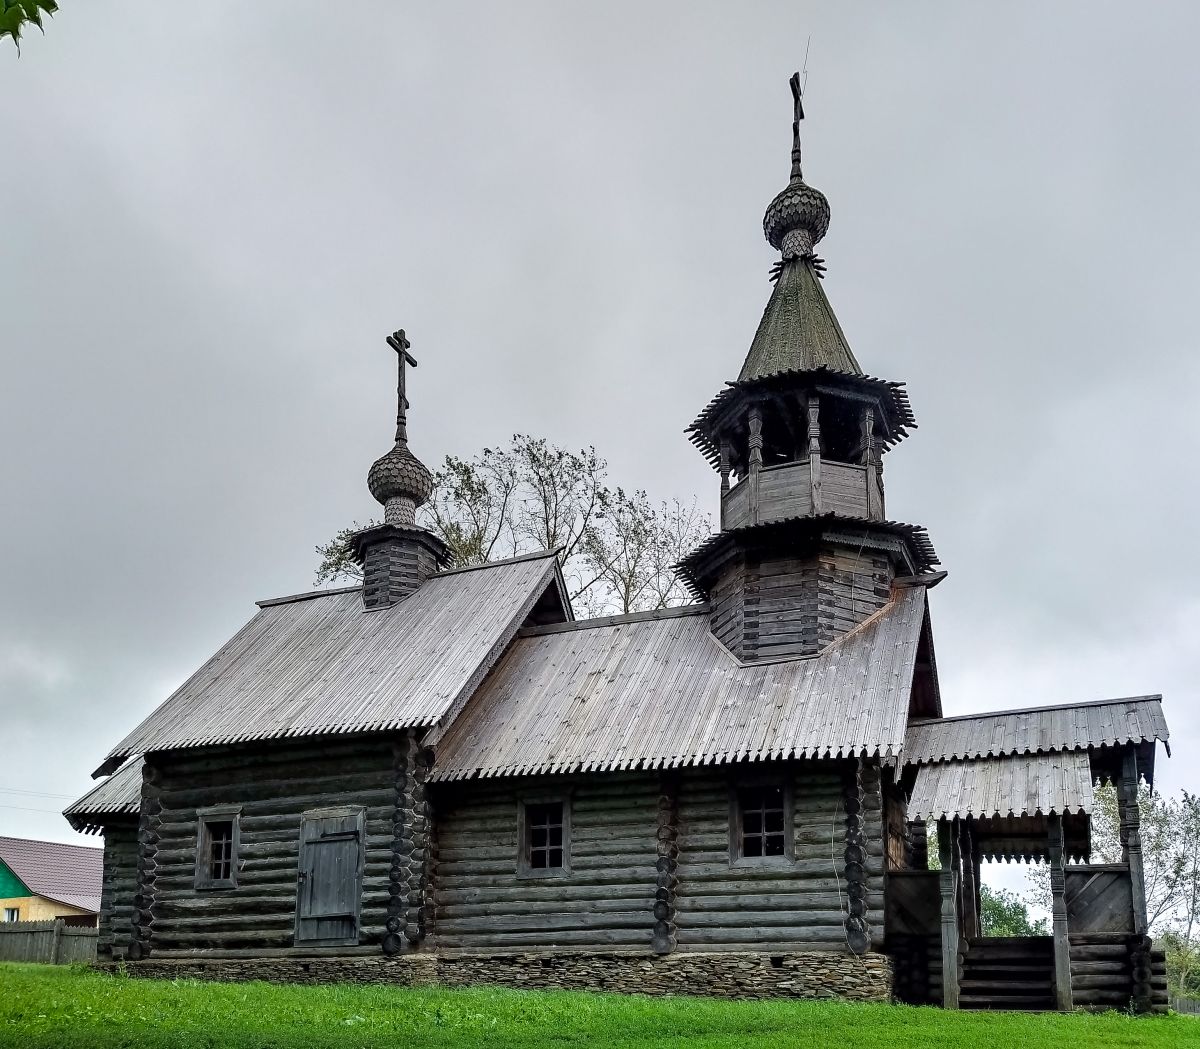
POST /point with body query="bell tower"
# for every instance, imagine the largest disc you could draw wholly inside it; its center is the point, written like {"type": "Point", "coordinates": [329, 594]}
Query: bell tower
{"type": "Point", "coordinates": [805, 552]}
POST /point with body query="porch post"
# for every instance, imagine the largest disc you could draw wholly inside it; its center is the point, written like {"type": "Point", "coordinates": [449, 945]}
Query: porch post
{"type": "Point", "coordinates": [970, 885]}
{"type": "Point", "coordinates": [1062, 944]}
{"type": "Point", "coordinates": [948, 879]}
{"type": "Point", "coordinates": [1131, 837]}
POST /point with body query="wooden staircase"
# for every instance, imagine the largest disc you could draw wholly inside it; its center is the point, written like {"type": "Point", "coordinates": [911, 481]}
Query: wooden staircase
{"type": "Point", "coordinates": [1008, 972]}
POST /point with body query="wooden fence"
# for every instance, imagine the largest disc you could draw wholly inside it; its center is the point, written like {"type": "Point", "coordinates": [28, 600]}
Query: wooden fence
{"type": "Point", "coordinates": [52, 942]}
{"type": "Point", "coordinates": [1188, 1006]}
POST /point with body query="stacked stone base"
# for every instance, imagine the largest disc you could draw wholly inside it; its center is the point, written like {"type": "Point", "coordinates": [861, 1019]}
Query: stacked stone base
{"type": "Point", "coordinates": [807, 974]}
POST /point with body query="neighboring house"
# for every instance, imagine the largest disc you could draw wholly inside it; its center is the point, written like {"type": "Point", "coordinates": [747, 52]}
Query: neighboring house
{"type": "Point", "coordinates": [45, 879]}
{"type": "Point", "coordinates": [442, 776]}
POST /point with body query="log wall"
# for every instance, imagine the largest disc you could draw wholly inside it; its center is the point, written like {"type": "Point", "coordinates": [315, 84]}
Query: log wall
{"type": "Point", "coordinates": [480, 900]}
{"type": "Point", "coordinates": [650, 864]}
{"type": "Point", "coordinates": [273, 785]}
{"type": "Point", "coordinates": [118, 886]}
{"type": "Point", "coordinates": [800, 903]}
{"type": "Point", "coordinates": [766, 607]}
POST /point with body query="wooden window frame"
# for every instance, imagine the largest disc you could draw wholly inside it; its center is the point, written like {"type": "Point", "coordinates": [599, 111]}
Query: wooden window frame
{"type": "Point", "coordinates": [524, 870]}
{"type": "Point", "coordinates": [736, 858]}
{"type": "Point", "coordinates": [12, 915]}
{"type": "Point", "coordinates": [217, 814]}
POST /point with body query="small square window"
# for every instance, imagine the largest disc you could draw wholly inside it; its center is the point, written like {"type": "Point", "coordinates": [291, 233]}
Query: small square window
{"type": "Point", "coordinates": [545, 838]}
{"type": "Point", "coordinates": [12, 914]}
{"type": "Point", "coordinates": [759, 827]}
{"type": "Point", "coordinates": [216, 849]}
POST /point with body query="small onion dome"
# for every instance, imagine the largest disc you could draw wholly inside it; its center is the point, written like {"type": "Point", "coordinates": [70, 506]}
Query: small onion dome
{"type": "Point", "coordinates": [401, 482]}
{"type": "Point", "coordinates": [799, 216]}
{"type": "Point", "coordinates": [796, 219]}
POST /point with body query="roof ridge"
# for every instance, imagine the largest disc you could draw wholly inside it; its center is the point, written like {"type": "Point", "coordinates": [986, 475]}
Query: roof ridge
{"type": "Point", "coordinates": [1037, 710]}
{"type": "Point", "coordinates": [675, 612]}
{"type": "Point", "coordinates": [307, 595]}
{"type": "Point", "coordinates": [515, 559]}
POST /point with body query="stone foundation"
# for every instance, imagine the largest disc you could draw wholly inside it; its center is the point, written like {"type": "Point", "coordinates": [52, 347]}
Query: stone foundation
{"type": "Point", "coordinates": [808, 974]}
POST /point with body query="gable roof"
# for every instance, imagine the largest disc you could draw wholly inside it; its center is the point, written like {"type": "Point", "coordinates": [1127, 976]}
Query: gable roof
{"type": "Point", "coordinates": [1038, 730]}
{"type": "Point", "coordinates": [1016, 765]}
{"type": "Point", "coordinates": [119, 795]}
{"type": "Point", "coordinates": [658, 691]}
{"type": "Point", "coordinates": [798, 330]}
{"type": "Point", "coordinates": [67, 874]}
{"type": "Point", "coordinates": [1027, 785]}
{"type": "Point", "coordinates": [318, 664]}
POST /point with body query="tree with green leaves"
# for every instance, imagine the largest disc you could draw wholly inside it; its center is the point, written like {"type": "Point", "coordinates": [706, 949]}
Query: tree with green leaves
{"type": "Point", "coordinates": [1006, 914]}
{"type": "Point", "coordinates": [617, 549]}
{"type": "Point", "coordinates": [15, 15]}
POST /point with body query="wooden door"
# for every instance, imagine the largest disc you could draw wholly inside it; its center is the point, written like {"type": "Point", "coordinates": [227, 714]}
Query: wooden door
{"type": "Point", "coordinates": [329, 877]}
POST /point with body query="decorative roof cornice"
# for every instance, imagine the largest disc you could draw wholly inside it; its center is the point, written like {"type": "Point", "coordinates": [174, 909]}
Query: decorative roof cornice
{"type": "Point", "coordinates": [724, 409]}
{"type": "Point", "coordinates": [698, 567]}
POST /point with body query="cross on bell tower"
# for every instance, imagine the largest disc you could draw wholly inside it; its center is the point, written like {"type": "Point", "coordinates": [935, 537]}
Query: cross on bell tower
{"type": "Point", "coordinates": [398, 341]}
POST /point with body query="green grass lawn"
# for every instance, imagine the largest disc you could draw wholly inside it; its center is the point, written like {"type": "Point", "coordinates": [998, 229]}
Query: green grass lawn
{"type": "Point", "coordinates": [44, 1006]}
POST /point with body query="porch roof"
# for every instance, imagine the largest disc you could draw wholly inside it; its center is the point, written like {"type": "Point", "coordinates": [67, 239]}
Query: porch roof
{"type": "Point", "coordinates": [1023, 785]}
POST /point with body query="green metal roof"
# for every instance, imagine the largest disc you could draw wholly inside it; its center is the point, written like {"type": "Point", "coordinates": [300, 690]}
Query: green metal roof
{"type": "Point", "coordinates": [798, 331]}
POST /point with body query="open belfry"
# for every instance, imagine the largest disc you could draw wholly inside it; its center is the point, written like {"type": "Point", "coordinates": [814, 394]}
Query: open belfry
{"type": "Point", "coordinates": [440, 776]}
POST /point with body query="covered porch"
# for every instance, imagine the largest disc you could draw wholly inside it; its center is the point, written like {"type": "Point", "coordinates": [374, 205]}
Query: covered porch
{"type": "Point", "coordinates": [1035, 808]}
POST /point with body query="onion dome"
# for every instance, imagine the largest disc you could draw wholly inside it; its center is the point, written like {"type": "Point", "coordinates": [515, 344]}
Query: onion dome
{"type": "Point", "coordinates": [399, 480]}
{"type": "Point", "coordinates": [798, 217]}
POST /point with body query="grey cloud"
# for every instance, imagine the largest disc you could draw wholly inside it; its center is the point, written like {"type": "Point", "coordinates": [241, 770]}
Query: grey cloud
{"type": "Point", "coordinates": [212, 221]}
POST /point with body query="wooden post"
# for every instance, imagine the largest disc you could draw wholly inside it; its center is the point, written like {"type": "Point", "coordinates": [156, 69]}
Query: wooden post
{"type": "Point", "coordinates": [756, 443]}
{"type": "Point", "coordinates": [858, 928]}
{"type": "Point", "coordinates": [1062, 943]}
{"type": "Point", "coordinates": [870, 459]}
{"type": "Point", "coordinates": [814, 451]}
{"type": "Point", "coordinates": [725, 456]}
{"type": "Point", "coordinates": [947, 847]}
{"type": "Point", "coordinates": [56, 942]}
{"type": "Point", "coordinates": [970, 888]}
{"type": "Point", "coordinates": [1131, 836]}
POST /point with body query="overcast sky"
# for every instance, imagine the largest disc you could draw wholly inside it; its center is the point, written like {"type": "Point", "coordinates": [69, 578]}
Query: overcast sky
{"type": "Point", "coordinates": [214, 213]}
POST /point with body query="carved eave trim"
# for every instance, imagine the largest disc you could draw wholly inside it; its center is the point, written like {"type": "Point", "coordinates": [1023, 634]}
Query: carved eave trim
{"type": "Point", "coordinates": [909, 545]}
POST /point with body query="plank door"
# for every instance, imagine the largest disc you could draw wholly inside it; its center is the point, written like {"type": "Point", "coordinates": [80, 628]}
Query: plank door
{"type": "Point", "coordinates": [329, 877]}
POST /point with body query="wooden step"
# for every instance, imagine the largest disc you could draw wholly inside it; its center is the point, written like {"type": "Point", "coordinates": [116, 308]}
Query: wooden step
{"type": "Point", "coordinates": [990, 1003]}
{"type": "Point", "coordinates": [1010, 989]}
{"type": "Point", "coordinates": [1003, 967]}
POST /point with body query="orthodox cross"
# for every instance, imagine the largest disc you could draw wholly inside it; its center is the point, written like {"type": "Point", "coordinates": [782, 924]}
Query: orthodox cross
{"type": "Point", "coordinates": [398, 341]}
{"type": "Point", "coordinates": [797, 116]}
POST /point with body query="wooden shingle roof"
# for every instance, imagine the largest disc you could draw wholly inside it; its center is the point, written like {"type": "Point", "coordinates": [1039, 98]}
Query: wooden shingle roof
{"type": "Point", "coordinates": [1038, 730]}
{"type": "Point", "coordinates": [660, 692]}
{"type": "Point", "coordinates": [1026, 785]}
{"type": "Point", "coordinates": [798, 330]}
{"type": "Point", "coordinates": [118, 795]}
{"type": "Point", "coordinates": [319, 664]}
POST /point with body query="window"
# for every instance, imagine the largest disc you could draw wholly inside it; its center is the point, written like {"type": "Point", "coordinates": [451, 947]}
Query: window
{"type": "Point", "coordinates": [545, 838]}
{"type": "Point", "coordinates": [217, 848]}
{"type": "Point", "coordinates": [761, 822]}
{"type": "Point", "coordinates": [12, 914]}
